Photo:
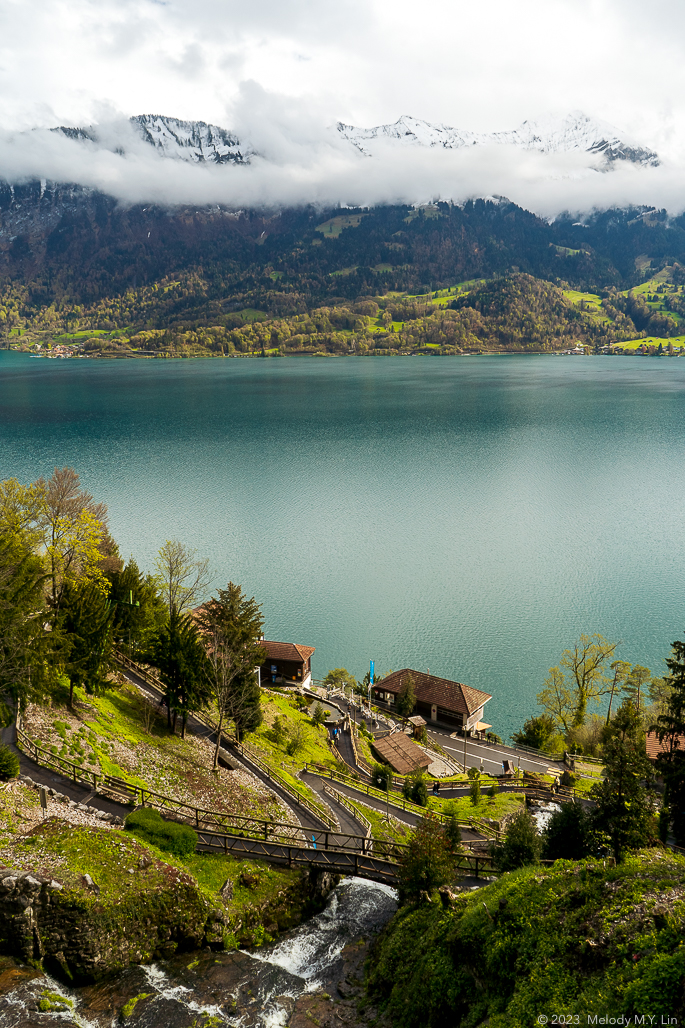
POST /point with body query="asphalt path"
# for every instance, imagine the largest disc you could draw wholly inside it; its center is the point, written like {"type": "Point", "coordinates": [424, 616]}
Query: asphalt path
{"type": "Point", "coordinates": [301, 814]}
{"type": "Point", "coordinates": [491, 754]}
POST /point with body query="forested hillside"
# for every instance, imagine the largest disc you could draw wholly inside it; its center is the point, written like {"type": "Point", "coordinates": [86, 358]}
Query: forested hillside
{"type": "Point", "coordinates": [214, 280]}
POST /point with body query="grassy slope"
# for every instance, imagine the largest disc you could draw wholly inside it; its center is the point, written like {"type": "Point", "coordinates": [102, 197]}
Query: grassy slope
{"type": "Point", "coordinates": [112, 858]}
{"type": "Point", "coordinates": [108, 733]}
{"type": "Point", "coordinates": [313, 747]}
{"type": "Point", "coordinates": [573, 939]}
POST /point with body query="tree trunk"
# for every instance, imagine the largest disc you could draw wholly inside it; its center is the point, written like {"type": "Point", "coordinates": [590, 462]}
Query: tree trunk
{"type": "Point", "coordinates": [215, 766]}
{"type": "Point", "coordinates": [183, 724]}
{"type": "Point", "coordinates": [168, 712]}
{"type": "Point", "coordinates": [71, 693]}
{"type": "Point", "coordinates": [173, 729]}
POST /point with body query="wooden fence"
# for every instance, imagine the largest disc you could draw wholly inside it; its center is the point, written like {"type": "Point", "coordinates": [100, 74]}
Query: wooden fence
{"type": "Point", "coordinates": [249, 752]}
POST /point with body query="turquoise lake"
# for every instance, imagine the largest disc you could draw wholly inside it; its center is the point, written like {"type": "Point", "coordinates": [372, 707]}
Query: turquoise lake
{"type": "Point", "coordinates": [467, 515]}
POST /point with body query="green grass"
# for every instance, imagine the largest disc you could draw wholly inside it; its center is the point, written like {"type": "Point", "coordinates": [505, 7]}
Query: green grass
{"type": "Point", "coordinates": [332, 228]}
{"type": "Point", "coordinates": [313, 746]}
{"type": "Point", "coordinates": [502, 804]}
{"type": "Point", "coordinates": [345, 271]}
{"type": "Point", "coordinates": [108, 855]}
{"type": "Point", "coordinates": [635, 344]}
{"type": "Point", "coordinates": [577, 938]}
{"type": "Point", "coordinates": [382, 829]}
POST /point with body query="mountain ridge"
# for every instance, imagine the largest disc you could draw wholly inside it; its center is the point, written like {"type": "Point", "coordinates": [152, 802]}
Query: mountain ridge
{"type": "Point", "coordinates": [200, 142]}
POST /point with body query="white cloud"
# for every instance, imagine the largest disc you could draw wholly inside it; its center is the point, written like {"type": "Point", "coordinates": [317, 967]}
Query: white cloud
{"type": "Point", "coordinates": [282, 71]}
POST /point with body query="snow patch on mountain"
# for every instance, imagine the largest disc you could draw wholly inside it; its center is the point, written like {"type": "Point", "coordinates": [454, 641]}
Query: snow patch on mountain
{"type": "Point", "coordinates": [573, 132]}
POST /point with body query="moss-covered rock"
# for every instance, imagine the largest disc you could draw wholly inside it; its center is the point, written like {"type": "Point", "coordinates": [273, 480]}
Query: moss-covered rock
{"type": "Point", "coordinates": [576, 938]}
{"type": "Point", "coordinates": [87, 902]}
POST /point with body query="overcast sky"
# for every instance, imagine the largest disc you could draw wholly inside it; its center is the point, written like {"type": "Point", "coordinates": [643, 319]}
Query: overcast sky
{"type": "Point", "coordinates": [295, 66]}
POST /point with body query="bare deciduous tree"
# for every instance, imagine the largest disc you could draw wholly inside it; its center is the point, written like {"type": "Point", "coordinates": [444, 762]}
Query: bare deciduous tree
{"type": "Point", "coordinates": [182, 576]}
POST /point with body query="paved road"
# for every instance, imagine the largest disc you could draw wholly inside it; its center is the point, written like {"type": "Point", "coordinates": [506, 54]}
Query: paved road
{"type": "Point", "coordinates": [306, 819]}
{"type": "Point", "coordinates": [492, 754]}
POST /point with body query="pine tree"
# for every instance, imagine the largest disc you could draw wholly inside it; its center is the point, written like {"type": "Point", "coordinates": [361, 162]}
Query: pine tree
{"type": "Point", "coordinates": [624, 809]}
{"type": "Point", "coordinates": [232, 627]}
{"type": "Point", "coordinates": [670, 729]}
{"type": "Point", "coordinates": [179, 655]}
{"type": "Point", "coordinates": [86, 619]}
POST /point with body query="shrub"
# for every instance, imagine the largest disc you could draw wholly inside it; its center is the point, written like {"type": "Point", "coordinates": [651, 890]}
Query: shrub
{"type": "Point", "coordinates": [381, 775]}
{"type": "Point", "coordinates": [536, 732]}
{"type": "Point", "coordinates": [149, 826]}
{"type": "Point", "coordinates": [414, 789]}
{"type": "Point", "coordinates": [9, 763]}
{"type": "Point", "coordinates": [568, 835]}
{"type": "Point", "coordinates": [522, 844]}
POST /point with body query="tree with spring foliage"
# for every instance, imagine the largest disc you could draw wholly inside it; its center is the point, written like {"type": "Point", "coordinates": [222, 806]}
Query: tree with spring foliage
{"type": "Point", "coordinates": [27, 648]}
{"type": "Point", "coordinates": [579, 680]}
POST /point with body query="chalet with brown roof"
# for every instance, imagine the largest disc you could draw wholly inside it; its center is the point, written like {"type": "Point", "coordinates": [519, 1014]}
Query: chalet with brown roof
{"type": "Point", "coordinates": [286, 663]}
{"type": "Point", "coordinates": [438, 700]}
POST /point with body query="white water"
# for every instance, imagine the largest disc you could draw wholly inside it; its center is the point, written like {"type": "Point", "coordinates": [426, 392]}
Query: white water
{"type": "Point", "coordinates": [265, 984]}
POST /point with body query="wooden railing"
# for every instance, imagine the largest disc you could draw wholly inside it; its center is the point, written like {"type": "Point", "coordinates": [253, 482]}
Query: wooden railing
{"type": "Point", "coordinates": [349, 806]}
{"type": "Point", "coordinates": [400, 803]}
{"type": "Point", "coordinates": [246, 749]}
{"type": "Point", "coordinates": [107, 785]}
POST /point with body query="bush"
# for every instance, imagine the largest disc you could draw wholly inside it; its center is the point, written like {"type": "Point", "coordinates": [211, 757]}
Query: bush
{"type": "Point", "coordinates": [381, 775]}
{"type": "Point", "coordinates": [537, 732]}
{"type": "Point", "coordinates": [568, 835]}
{"type": "Point", "coordinates": [522, 844]}
{"type": "Point", "coordinates": [149, 826]}
{"type": "Point", "coordinates": [9, 763]}
{"type": "Point", "coordinates": [414, 789]}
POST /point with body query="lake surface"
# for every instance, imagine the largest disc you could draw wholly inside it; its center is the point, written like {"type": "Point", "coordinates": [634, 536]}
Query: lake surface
{"type": "Point", "coordinates": [467, 515]}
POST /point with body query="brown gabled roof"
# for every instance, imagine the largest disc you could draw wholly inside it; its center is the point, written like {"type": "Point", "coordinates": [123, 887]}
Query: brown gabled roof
{"type": "Point", "coordinates": [286, 651]}
{"type": "Point", "coordinates": [654, 747]}
{"type": "Point", "coordinates": [403, 755]}
{"type": "Point", "coordinates": [441, 691]}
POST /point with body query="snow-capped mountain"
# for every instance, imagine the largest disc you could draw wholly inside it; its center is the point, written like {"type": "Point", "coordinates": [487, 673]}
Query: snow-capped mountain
{"type": "Point", "coordinates": [200, 143]}
{"type": "Point", "coordinates": [194, 141]}
{"type": "Point", "coordinates": [575, 131]}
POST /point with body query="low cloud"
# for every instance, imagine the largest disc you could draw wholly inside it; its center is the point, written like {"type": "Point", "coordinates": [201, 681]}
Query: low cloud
{"type": "Point", "coordinates": [302, 161]}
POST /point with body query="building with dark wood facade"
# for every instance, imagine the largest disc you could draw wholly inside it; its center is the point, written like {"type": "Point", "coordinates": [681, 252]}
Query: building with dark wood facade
{"type": "Point", "coordinates": [438, 700]}
{"type": "Point", "coordinates": [286, 663]}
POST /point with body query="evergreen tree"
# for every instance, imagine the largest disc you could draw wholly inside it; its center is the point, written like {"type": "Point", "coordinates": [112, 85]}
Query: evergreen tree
{"type": "Point", "coordinates": [86, 621]}
{"type": "Point", "coordinates": [522, 844]}
{"type": "Point", "coordinates": [569, 833]}
{"type": "Point", "coordinates": [232, 627]}
{"type": "Point", "coordinates": [139, 611]}
{"type": "Point", "coordinates": [179, 655]}
{"type": "Point", "coordinates": [427, 862]}
{"type": "Point", "coordinates": [624, 809]}
{"type": "Point", "coordinates": [670, 729]}
{"type": "Point", "coordinates": [406, 699]}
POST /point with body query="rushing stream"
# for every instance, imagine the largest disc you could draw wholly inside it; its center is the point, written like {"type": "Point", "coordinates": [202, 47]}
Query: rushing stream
{"type": "Point", "coordinates": [196, 990]}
